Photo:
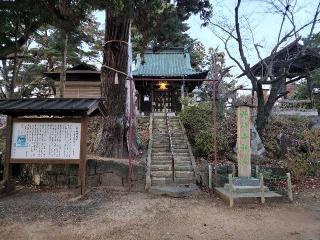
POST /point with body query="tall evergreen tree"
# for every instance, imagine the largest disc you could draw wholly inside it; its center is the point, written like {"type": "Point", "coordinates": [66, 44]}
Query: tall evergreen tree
{"type": "Point", "coordinates": [157, 22]}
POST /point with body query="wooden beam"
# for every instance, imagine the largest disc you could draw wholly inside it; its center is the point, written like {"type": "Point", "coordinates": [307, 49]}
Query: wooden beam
{"type": "Point", "coordinates": [7, 167]}
{"type": "Point", "coordinates": [45, 161]}
{"type": "Point", "coordinates": [83, 155]}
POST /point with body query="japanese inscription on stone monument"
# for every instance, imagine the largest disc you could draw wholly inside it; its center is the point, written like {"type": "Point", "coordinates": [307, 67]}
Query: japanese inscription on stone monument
{"type": "Point", "coordinates": [243, 141]}
{"type": "Point", "coordinates": [46, 140]}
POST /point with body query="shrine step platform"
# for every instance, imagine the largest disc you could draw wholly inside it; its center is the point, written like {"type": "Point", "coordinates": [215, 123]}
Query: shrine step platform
{"type": "Point", "coordinates": [245, 188]}
{"type": "Point", "coordinates": [175, 190]}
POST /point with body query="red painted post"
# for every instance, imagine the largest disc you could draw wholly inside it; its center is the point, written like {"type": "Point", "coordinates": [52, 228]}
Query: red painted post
{"type": "Point", "coordinates": [130, 140]}
{"type": "Point", "coordinates": [214, 130]}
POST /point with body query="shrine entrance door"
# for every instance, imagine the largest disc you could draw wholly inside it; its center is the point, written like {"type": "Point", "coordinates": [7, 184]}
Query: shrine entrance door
{"type": "Point", "coordinates": [162, 100]}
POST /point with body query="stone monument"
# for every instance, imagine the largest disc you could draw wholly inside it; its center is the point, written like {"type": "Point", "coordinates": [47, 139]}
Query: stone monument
{"type": "Point", "coordinates": [243, 141]}
{"type": "Point", "coordinates": [244, 185]}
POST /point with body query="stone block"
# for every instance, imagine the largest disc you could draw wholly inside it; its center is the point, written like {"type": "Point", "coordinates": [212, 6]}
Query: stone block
{"type": "Point", "coordinates": [138, 186]}
{"type": "Point", "coordinates": [73, 181]}
{"type": "Point", "coordinates": [48, 180]}
{"type": "Point", "coordinates": [73, 170]}
{"type": "Point", "coordinates": [103, 167]}
{"type": "Point", "coordinates": [62, 180]}
{"type": "Point", "coordinates": [91, 167]}
{"type": "Point", "coordinates": [59, 169]}
{"type": "Point", "coordinates": [93, 181]}
{"type": "Point", "coordinates": [111, 179]}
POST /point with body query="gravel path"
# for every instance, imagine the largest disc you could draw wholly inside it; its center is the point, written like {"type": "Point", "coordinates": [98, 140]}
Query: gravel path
{"type": "Point", "coordinates": [34, 214]}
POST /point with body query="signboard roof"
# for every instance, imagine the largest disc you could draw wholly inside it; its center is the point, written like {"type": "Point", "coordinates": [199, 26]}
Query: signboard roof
{"type": "Point", "coordinates": [53, 106]}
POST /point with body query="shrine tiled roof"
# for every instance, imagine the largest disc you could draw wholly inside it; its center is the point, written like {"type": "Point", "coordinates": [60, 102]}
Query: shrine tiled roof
{"type": "Point", "coordinates": [173, 62]}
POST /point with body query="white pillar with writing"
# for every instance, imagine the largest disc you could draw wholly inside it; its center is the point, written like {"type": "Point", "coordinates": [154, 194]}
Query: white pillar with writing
{"type": "Point", "coordinates": [243, 141]}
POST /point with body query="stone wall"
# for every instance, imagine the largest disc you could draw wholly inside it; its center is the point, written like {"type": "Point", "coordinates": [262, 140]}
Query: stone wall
{"type": "Point", "coordinates": [3, 120]}
{"type": "Point", "coordinates": [309, 113]}
{"type": "Point", "coordinates": [112, 173]}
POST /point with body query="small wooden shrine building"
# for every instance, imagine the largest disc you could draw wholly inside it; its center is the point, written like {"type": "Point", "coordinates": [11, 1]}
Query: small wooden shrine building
{"type": "Point", "coordinates": [152, 79]}
{"type": "Point", "coordinates": [82, 81]}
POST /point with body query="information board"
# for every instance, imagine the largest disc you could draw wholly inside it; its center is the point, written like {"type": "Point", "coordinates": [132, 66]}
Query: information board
{"type": "Point", "coordinates": [45, 140]}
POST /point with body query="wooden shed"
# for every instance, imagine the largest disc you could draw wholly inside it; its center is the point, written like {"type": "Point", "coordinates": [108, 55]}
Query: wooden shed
{"type": "Point", "coordinates": [82, 81]}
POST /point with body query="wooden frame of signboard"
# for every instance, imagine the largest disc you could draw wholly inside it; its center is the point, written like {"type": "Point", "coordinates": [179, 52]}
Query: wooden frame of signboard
{"type": "Point", "coordinates": [83, 148]}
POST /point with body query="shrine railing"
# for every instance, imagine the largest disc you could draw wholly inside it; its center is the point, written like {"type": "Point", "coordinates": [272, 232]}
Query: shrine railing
{"type": "Point", "coordinates": [170, 143]}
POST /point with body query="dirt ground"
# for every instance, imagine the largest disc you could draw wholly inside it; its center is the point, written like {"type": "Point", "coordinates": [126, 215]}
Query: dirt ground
{"type": "Point", "coordinates": [102, 214]}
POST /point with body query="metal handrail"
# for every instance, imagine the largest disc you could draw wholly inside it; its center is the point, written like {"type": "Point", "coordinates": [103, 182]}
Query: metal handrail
{"type": "Point", "coordinates": [170, 142]}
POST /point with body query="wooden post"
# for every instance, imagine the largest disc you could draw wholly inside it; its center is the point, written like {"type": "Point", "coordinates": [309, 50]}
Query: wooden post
{"type": "Point", "coordinates": [263, 200]}
{"type": "Point", "coordinates": [83, 154]}
{"type": "Point", "coordinates": [182, 94]}
{"type": "Point", "coordinates": [231, 190]}
{"type": "Point", "coordinates": [234, 170]}
{"type": "Point", "coordinates": [257, 171]}
{"type": "Point", "coordinates": [7, 166]}
{"type": "Point", "coordinates": [290, 195]}
{"type": "Point", "coordinates": [210, 175]}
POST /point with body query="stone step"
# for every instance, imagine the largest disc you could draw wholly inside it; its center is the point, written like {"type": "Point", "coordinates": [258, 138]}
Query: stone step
{"type": "Point", "coordinates": [245, 189]}
{"type": "Point", "coordinates": [161, 163]}
{"type": "Point", "coordinates": [177, 174]}
{"type": "Point", "coordinates": [181, 154]}
{"type": "Point", "coordinates": [184, 174]}
{"type": "Point", "coordinates": [162, 181]}
{"type": "Point", "coordinates": [159, 142]}
{"type": "Point", "coordinates": [177, 137]}
{"type": "Point", "coordinates": [177, 158]}
{"type": "Point", "coordinates": [166, 148]}
{"type": "Point", "coordinates": [165, 174]}
{"type": "Point", "coordinates": [167, 162]}
{"type": "Point", "coordinates": [168, 167]}
{"type": "Point", "coordinates": [161, 153]}
{"type": "Point", "coordinates": [160, 138]}
{"type": "Point", "coordinates": [175, 145]}
{"type": "Point", "coordinates": [160, 135]}
{"type": "Point", "coordinates": [160, 157]}
{"type": "Point", "coordinates": [180, 147]}
{"type": "Point", "coordinates": [180, 150]}
{"type": "Point", "coordinates": [161, 148]}
{"type": "Point", "coordinates": [178, 141]}
{"type": "Point", "coordinates": [176, 190]}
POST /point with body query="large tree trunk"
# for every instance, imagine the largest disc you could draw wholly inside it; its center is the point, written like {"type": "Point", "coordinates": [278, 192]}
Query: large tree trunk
{"type": "Point", "coordinates": [264, 109]}
{"type": "Point", "coordinates": [63, 76]}
{"type": "Point", "coordinates": [261, 115]}
{"type": "Point", "coordinates": [111, 139]}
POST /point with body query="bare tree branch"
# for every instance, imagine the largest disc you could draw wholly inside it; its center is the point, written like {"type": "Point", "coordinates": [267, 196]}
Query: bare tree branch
{"type": "Point", "coordinates": [315, 19]}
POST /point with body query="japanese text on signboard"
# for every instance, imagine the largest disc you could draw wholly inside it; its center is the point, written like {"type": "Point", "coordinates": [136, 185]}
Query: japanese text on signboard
{"type": "Point", "coordinates": [45, 140]}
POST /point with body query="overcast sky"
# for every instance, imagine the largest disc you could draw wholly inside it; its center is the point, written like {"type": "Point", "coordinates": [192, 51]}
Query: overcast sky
{"type": "Point", "coordinates": [263, 21]}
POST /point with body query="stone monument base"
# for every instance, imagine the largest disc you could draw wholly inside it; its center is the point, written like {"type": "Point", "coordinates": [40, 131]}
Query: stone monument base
{"type": "Point", "coordinates": [245, 188]}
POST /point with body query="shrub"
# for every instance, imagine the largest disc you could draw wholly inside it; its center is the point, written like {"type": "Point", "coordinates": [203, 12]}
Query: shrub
{"type": "Point", "coordinates": [289, 140]}
{"type": "Point", "coordinates": [198, 122]}
{"type": "Point", "coordinates": [305, 159]}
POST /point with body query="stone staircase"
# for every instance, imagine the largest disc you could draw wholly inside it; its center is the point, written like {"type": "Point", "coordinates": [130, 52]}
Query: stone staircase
{"type": "Point", "coordinates": [161, 158]}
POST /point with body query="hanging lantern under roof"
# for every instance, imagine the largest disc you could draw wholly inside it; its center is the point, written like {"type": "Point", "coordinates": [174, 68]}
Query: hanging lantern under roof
{"type": "Point", "coordinates": [146, 98]}
{"type": "Point", "coordinates": [163, 85]}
